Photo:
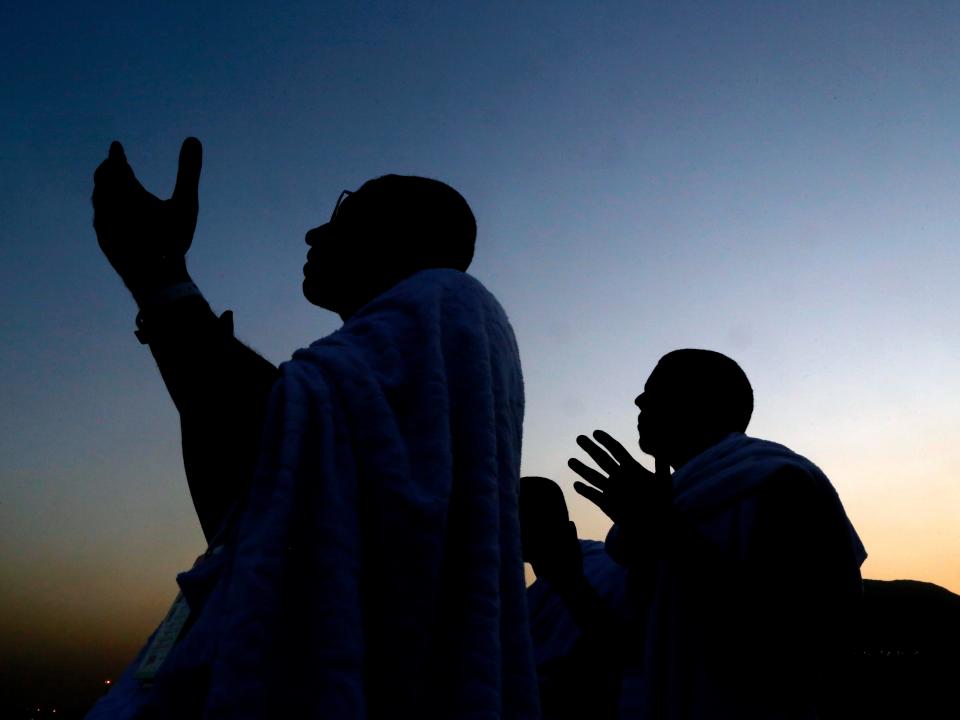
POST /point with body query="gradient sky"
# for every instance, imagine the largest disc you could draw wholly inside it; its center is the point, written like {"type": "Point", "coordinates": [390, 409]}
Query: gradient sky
{"type": "Point", "coordinates": [781, 185]}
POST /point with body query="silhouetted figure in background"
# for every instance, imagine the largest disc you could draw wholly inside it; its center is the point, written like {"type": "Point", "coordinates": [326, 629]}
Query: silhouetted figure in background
{"type": "Point", "coordinates": [738, 574]}
{"type": "Point", "coordinates": [360, 500]}
{"type": "Point", "coordinates": [581, 677]}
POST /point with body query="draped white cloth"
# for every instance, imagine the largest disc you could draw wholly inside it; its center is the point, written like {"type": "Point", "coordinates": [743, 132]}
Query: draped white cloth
{"type": "Point", "coordinates": [376, 570]}
{"type": "Point", "coordinates": [716, 493]}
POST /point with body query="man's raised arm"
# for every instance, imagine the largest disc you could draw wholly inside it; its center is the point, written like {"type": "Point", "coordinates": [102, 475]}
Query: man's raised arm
{"type": "Point", "coordinates": [219, 386]}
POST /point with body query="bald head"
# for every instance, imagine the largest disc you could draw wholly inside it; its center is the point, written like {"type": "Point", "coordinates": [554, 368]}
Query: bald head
{"type": "Point", "coordinates": [389, 229]}
{"type": "Point", "coordinates": [692, 399]}
{"type": "Point", "coordinates": [425, 223]}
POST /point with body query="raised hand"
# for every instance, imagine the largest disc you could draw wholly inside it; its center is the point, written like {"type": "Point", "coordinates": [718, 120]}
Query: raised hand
{"type": "Point", "coordinates": [145, 238]}
{"type": "Point", "coordinates": [633, 497]}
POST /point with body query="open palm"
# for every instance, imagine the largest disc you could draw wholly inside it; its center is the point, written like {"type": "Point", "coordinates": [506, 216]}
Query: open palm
{"type": "Point", "coordinates": [142, 235]}
{"type": "Point", "coordinates": [629, 494]}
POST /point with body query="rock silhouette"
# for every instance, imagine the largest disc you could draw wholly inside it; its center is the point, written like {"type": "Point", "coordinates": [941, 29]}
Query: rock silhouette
{"type": "Point", "coordinates": [906, 663]}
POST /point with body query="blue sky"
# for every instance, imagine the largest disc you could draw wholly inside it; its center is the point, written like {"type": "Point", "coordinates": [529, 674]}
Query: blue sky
{"type": "Point", "coordinates": [775, 181]}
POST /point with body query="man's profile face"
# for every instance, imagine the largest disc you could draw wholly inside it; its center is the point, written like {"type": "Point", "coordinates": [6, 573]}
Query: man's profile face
{"type": "Point", "coordinates": [657, 419]}
{"type": "Point", "coordinates": [334, 259]}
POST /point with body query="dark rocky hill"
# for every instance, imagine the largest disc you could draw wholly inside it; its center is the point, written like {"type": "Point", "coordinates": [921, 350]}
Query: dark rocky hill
{"type": "Point", "coordinates": [909, 617]}
{"type": "Point", "coordinates": [907, 658]}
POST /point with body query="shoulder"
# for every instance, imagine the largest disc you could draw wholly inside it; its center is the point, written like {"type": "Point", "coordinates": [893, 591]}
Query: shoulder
{"type": "Point", "coordinates": [791, 498]}
{"type": "Point", "coordinates": [796, 482]}
{"type": "Point", "coordinates": [799, 512]}
{"type": "Point", "coordinates": [788, 486]}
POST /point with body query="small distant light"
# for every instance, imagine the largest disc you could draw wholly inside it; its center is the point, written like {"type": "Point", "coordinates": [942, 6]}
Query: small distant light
{"type": "Point", "coordinates": [108, 682]}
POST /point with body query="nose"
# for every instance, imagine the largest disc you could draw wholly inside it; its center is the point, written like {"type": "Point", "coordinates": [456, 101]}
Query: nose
{"type": "Point", "coordinates": [638, 401]}
{"type": "Point", "coordinates": [314, 236]}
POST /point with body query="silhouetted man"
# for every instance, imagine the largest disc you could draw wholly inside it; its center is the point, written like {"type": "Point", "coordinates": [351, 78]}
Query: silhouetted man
{"type": "Point", "coordinates": [360, 500]}
{"type": "Point", "coordinates": [739, 573]}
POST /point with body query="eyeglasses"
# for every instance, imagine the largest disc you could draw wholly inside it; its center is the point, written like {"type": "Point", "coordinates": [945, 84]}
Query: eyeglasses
{"type": "Point", "coordinates": [343, 196]}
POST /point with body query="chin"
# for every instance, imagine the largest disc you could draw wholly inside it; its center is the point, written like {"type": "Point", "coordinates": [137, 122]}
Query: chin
{"type": "Point", "coordinates": [647, 446]}
{"type": "Point", "coordinates": [315, 297]}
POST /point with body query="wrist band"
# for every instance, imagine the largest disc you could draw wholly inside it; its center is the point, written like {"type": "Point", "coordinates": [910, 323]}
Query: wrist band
{"type": "Point", "coordinates": [170, 294]}
{"type": "Point", "coordinates": [160, 299]}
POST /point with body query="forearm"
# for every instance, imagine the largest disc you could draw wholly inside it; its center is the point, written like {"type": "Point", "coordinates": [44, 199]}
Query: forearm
{"type": "Point", "coordinates": [599, 625]}
{"type": "Point", "coordinates": [669, 535]}
{"type": "Point", "coordinates": [199, 359]}
{"type": "Point", "coordinates": [220, 388]}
